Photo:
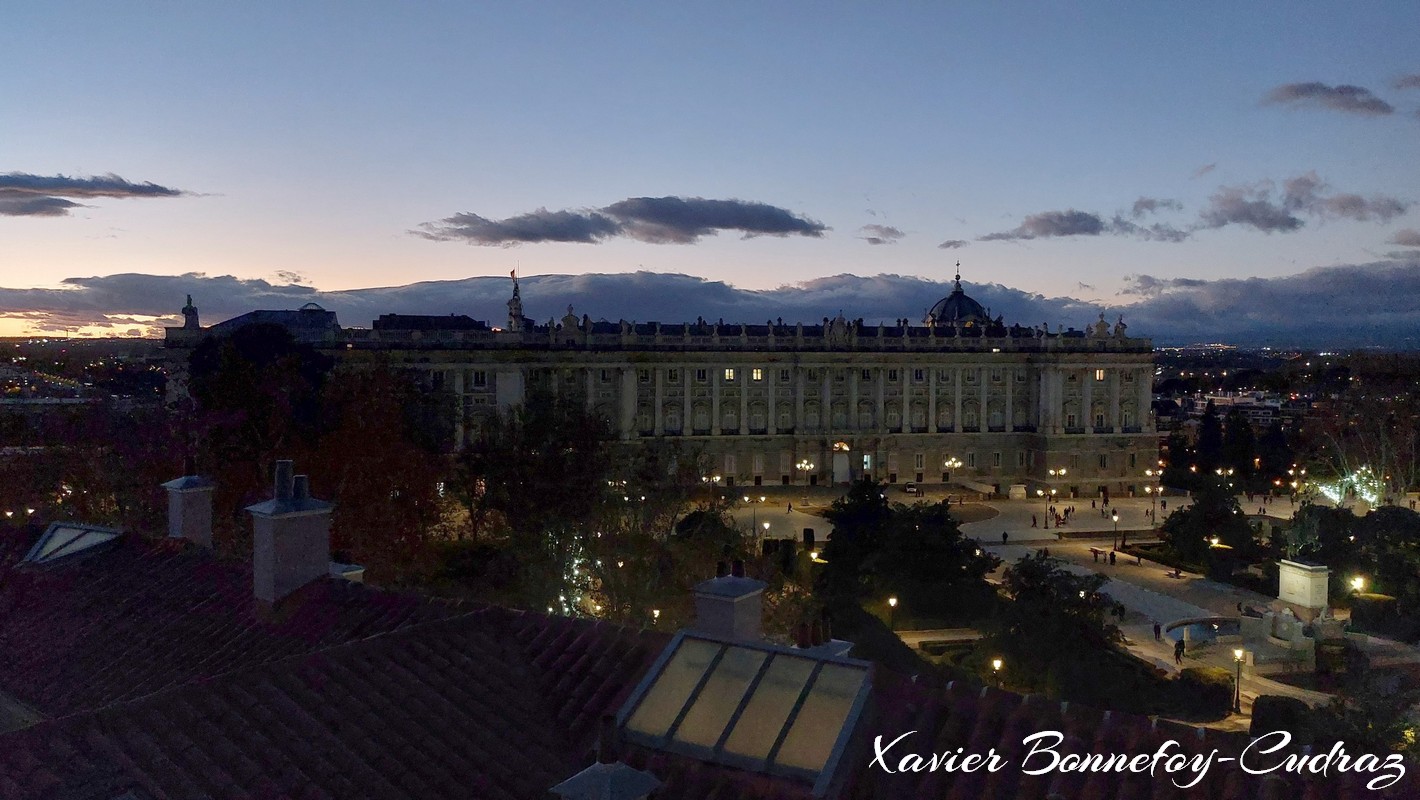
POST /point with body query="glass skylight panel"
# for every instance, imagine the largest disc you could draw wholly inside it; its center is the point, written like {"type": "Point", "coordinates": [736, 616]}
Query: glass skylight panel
{"type": "Point", "coordinates": [820, 720]}
{"type": "Point", "coordinates": [61, 540]}
{"type": "Point", "coordinates": [717, 701]}
{"type": "Point", "coordinates": [763, 719]}
{"type": "Point", "coordinates": [667, 696]}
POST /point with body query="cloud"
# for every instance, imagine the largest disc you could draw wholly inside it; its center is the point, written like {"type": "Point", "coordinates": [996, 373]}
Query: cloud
{"type": "Point", "coordinates": [25, 195]}
{"type": "Point", "coordinates": [953, 244]}
{"type": "Point", "coordinates": [1151, 205]}
{"type": "Point", "coordinates": [1054, 224]}
{"type": "Point", "coordinates": [1205, 169]}
{"type": "Point", "coordinates": [1408, 81]}
{"type": "Point", "coordinates": [1352, 99]}
{"type": "Point", "coordinates": [880, 234]}
{"type": "Point", "coordinates": [1254, 205]}
{"type": "Point", "coordinates": [655, 220]}
{"type": "Point", "coordinates": [1352, 305]}
{"type": "Point", "coordinates": [1051, 224]}
{"type": "Point", "coordinates": [1406, 237]}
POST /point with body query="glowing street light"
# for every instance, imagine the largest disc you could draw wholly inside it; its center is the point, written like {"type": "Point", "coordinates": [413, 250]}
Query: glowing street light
{"type": "Point", "coordinates": [1358, 583]}
{"type": "Point", "coordinates": [1114, 515]}
{"type": "Point", "coordinates": [996, 664]}
{"type": "Point", "coordinates": [892, 613]}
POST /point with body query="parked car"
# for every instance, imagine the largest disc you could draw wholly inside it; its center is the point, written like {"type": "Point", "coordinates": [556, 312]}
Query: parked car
{"type": "Point", "coordinates": [910, 488]}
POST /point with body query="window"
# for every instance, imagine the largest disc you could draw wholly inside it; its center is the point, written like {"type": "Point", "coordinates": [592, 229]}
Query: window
{"type": "Point", "coordinates": [813, 374]}
{"type": "Point", "coordinates": [971, 376]}
{"type": "Point", "coordinates": [1104, 461]}
{"type": "Point", "coordinates": [1070, 421]}
{"type": "Point", "coordinates": [673, 375]}
{"type": "Point", "coordinates": [1020, 376]}
{"type": "Point", "coordinates": [919, 462]}
{"type": "Point", "coordinates": [606, 376]}
{"type": "Point", "coordinates": [758, 463]}
{"type": "Point", "coordinates": [868, 461]}
{"type": "Point", "coordinates": [867, 375]}
{"type": "Point", "coordinates": [643, 375]}
{"type": "Point", "coordinates": [944, 376]}
{"type": "Point", "coordinates": [700, 376]}
{"type": "Point", "coordinates": [783, 376]}
{"type": "Point", "coordinates": [971, 460]}
{"type": "Point", "coordinates": [1132, 460]}
{"type": "Point", "coordinates": [1072, 377]}
{"type": "Point", "coordinates": [1020, 458]}
{"type": "Point", "coordinates": [480, 379]}
{"type": "Point", "coordinates": [996, 459]}
{"type": "Point", "coordinates": [892, 376]}
{"type": "Point", "coordinates": [1128, 377]}
{"type": "Point", "coordinates": [729, 463]}
{"type": "Point", "coordinates": [996, 375]}
{"type": "Point", "coordinates": [729, 374]}
{"type": "Point", "coordinates": [1099, 374]}
{"type": "Point", "coordinates": [757, 374]}
{"type": "Point", "coordinates": [919, 375]}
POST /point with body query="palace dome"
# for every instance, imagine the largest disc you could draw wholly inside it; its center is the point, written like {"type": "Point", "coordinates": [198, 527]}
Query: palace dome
{"type": "Point", "coordinates": [957, 307]}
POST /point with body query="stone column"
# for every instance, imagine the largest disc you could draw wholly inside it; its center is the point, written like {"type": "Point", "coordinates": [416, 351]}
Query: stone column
{"type": "Point", "coordinates": [882, 400]}
{"type": "Point", "coordinates": [853, 398]}
{"type": "Point", "coordinates": [715, 401]}
{"type": "Point", "coordinates": [1009, 373]}
{"type": "Point", "coordinates": [658, 412]}
{"type": "Point", "coordinates": [744, 381]}
{"type": "Point", "coordinates": [983, 418]}
{"type": "Point", "coordinates": [932, 402]}
{"type": "Point", "coordinates": [1145, 379]}
{"type": "Point", "coordinates": [628, 402]}
{"type": "Point", "coordinates": [825, 422]}
{"type": "Point", "coordinates": [1115, 376]}
{"type": "Point", "coordinates": [687, 422]}
{"type": "Point", "coordinates": [772, 423]}
{"type": "Point", "coordinates": [956, 379]}
{"type": "Point", "coordinates": [798, 401]}
{"type": "Point", "coordinates": [1088, 403]}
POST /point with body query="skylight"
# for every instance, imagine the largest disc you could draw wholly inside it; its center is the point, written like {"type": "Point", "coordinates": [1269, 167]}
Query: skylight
{"type": "Point", "coordinates": [63, 539]}
{"type": "Point", "coordinates": [750, 705]}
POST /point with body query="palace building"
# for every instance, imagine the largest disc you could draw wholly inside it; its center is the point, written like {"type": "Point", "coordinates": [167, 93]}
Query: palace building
{"type": "Point", "coordinates": [957, 398]}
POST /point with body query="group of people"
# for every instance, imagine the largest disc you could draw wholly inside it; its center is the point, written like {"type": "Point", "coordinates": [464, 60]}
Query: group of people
{"type": "Point", "coordinates": [1178, 646]}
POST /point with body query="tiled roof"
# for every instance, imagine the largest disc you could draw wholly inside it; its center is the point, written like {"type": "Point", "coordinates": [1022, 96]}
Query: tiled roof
{"type": "Point", "coordinates": [144, 616]}
{"type": "Point", "coordinates": [176, 688]}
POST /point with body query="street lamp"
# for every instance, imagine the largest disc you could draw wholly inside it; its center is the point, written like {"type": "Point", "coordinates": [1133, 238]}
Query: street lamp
{"type": "Point", "coordinates": [892, 613]}
{"type": "Point", "coordinates": [1358, 583]}
{"type": "Point", "coordinates": [996, 670]}
{"type": "Point", "coordinates": [1041, 494]}
{"type": "Point", "coordinates": [1114, 515]}
{"type": "Point", "coordinates": [805, 466]}
{"type": "Point", "coordinates": [1237, 681]}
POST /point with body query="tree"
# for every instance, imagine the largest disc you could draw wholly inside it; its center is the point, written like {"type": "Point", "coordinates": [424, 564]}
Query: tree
{"type": "Point", "coordinates": [860, 521]}
{"type": "Point", "coordinates": [1214, 514]}
{"type": "Point", "coordinates": [1053, 615]}
{"type": "Point", "coordinates": [1239, 450]}
{"type": "Point", "coordinates": [1209, 448]}
{"type": "Point", "coordinates": [1275, 457]}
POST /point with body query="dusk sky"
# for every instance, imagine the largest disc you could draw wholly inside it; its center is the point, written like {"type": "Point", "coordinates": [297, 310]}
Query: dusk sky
{"type": "Point", "coordinates": [1141, 158]}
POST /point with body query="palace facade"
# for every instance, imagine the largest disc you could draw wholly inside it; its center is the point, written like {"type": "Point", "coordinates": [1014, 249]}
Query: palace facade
{"type": "Point", "coordinates": [958, 398]}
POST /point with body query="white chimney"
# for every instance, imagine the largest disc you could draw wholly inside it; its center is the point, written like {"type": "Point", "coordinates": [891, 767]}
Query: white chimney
{"type": "Point", "coordinates": [290, 537]}
{"type": "Point", "coordinates": [190, 509]}
{"type": "Point", "coordinates": [728, 606]}
{"type": "Point", "coordinates": [608, 779]}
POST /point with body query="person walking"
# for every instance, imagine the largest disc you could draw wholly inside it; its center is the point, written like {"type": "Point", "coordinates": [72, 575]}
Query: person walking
{"type": "Point", "coordinates": [1158, 632]}
{"type": "Point", "coordinates": [791, 509]}
{"type": "Point", "coordinates": [1178, 649]}
{"type": "Point", "coordinates": [1032, 520]}
{"type": "Point", "coordinates": [1005, 537]}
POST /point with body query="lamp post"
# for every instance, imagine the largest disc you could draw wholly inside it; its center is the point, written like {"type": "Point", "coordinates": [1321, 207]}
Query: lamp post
{"type": "Point", "coordinates": [892, 613]}
{"type": "Point", "coordinates": [1358, 583]}
{"type": "Point", "coordinates": [805, 467]}
{"type": "Point", "coordinates": [1114, 515]}
{"type": "Point", "coordinates": [1041, 494]}
{"type": "Point", "coordinates": [1237, 681]}
{"type": "Point", "coordinates": [996, 670]}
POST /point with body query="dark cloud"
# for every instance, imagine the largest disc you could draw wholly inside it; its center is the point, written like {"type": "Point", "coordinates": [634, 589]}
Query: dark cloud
{"type": "Point", "coordinates": [1357, 305]}
{"type": "Point", "coordinates": [1051, 224]}
{"type": "Point", "coordinates": [1256, 207]}
{"type": "Point", "coordinates": [1352, 99]}
{"type": "Point", "coordinates": [656, 220]}
{"type": "Point", "coordinates": [1151, 205]}
{"type": "Point", "coordinates": [25, 195]}
{"type": "Point", "coordinates": [1205, 169]}
{"type": "Point", "coordinates": [880, 234]}
{"type": "Point", "coordinates": [1406, 237]}
{"type": "Point", "coordinates": [1408, 81]}
{"type": "Point", "coordinates": [953, 244]}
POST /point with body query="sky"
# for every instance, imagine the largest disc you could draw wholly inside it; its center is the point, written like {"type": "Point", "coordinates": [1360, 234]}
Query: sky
{"type": "Point", "coordinates": [1182, 167]}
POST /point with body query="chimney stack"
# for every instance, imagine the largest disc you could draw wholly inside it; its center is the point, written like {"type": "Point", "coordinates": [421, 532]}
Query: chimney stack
{"type": "Point", "coordinates": [608, 779]}
{"type": "Point", "coordinates": [729, 606]}
{"type": "Point", "coordinates": [190, 508]}
{"type": "Point", "coordinates": [290, 537]}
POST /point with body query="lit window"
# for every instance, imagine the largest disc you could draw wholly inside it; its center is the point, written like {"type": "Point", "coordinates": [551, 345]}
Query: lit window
{"type": "Point", "coordinates": [1099, 374]}
{"type": "Point", "coordinates": [729, 373]}
{"type": "Point", "coordinates": [757, 374]}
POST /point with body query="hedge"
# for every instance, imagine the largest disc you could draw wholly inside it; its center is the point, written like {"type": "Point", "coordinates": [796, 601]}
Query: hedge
{"type": "Point", "coordinates": [1208, 689]}
{"type": "Point", "coordinates": [1271, 712]}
